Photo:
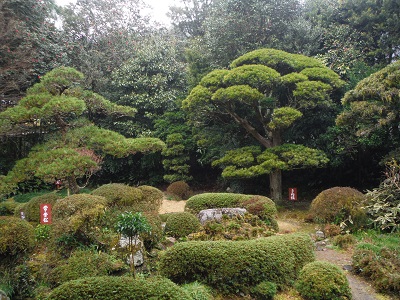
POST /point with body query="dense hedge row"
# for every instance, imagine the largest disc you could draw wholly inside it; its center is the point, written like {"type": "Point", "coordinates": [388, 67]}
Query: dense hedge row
{"type": "Point", "coordinates": [199, 202]}
{"type": "Point", "coordinates": [237, 266]}
{"type": "Point", "coordinates": [116, 288]}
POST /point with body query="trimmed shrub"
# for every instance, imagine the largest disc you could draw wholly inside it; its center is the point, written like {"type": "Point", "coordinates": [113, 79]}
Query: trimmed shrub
{"type": "Point", "coordinates": [237, 228]}
{"type": "Point", "coordinates": [199, 202]}
{"type": "Point", "coordinates": [7, 208]}
{"type": "Point", "coordinates": [321, 280]}
{"type": "Point", "coordinates": [181, 224]}
{"type": "Point", "coordinates": [31, 208]}
{"type": "Point", "coordinates": [152, 196]}
{"type": "Point", "coordinates": [380, 265]}
{"type": "Point", "coordinates": [119, 195]}
{"type": "Point", "coordinates": [16, 236]}
{"type": "Point", "coordinates": [264, 208]}
{"type": "Point", "coordinates": [344, 241]}
{"type": "Point", "coordinates": [86, 263]}
{"type": "Point", "coordinates": [76, 221]}
{"type": "Point", "coordinates": [233, 267]}
{"type": "Point", "coordinates": [198, 291]}
{"type": "Point", "coordinates": [264, 291]}
{"type": "Point", "coordinates": [180, 189]}
{"type": "Point", "coordinates": [116, 288]}
{"type": "Point", "coordinates": [341, 206]}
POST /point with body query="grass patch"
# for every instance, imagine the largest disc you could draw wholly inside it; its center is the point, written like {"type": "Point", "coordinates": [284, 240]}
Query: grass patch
{"type": "Point", "coordinates": [375, 240]}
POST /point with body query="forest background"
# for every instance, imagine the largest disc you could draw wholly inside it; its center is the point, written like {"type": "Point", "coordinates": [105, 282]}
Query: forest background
{"type": "Point", "coordinates": [150, 68]}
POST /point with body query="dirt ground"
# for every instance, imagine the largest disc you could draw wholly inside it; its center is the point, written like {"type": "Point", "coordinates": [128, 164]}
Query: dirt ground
{"type": "Point", "coordinates": [361, 290]}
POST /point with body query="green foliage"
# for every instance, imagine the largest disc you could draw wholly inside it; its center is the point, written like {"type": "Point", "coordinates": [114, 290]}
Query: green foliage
{"type": "Point", "coordinates": [340, 205]}
{"type": "Point", "coordinates": [323, 281]}
{"type": "Point", "coordinates": [235, 228]}
{"type": "Point", "coordinates": [119, 195]}
{"type": "Point", "coordinates": [180, 189]}
{"type": "Point", "coordinates": [248, 162]}
{"type": "Point", "coordinates": [31, 209]}
{"type": "Point", "coordinates": [85, 263]}
{"type": "Point", "coordinates": [153, 237]}
{"type": "Point", "coordinates": [176, 159]}
{"type": "Point", "coordinates": [42, 232]}
{"type": "Point", "coordinates": [233, 267]}
{"type": "Point", "coordinates": [344, 241]}
{"type": "Point", "coordinates": [181, 224]}
{"type": "Point", "coordinates": [8, 207]}
{"type": "Point", "coordinates": [16, 236]}
{"type": "Point", "coordinates": [152, 196]}
{"type": "Point", "coordinates": [265, 290]}
{"type": "Point", "coordinates": [75, 221]}
{"type": "Point", "coordinates": [264, 208]}
{"type": "Point", "coordinates": [377, 258]}
{"type": "Point", "coordinates": [283, 118]}
{"type": "Point", "coordinates": [199, 202]}
{"type": "Point", "coordinates": [132, 224]}
{"type": "Point", "coordinates": [198, 291]}
{"type": "Point", "coordinates": [127, 287]}
{"type": "Point", "coordinates": [383, 203]}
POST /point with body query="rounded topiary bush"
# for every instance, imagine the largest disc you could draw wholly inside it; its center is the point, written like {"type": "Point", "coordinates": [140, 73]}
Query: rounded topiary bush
{"type": "Point", "coordinates": [77, 220]}
{"type": "Point", "coordinates": [119, 195]}
{"type": "Point", "coordinates": [7, 208]}
{"type": "Point", "coordinates": [152, 197]}
{"type": "Point", "coordinates": [181, 224]}
{"type": "Point", "coordinates": [321, 280]}
{"type": "Point", "coordinates": [265, 290]}
{"type": "Point", "coordinates": [180, 189]}
{"type": "Point", "coordinates": [233, 267]}
{"type": "Point", "coordinates": [116, 288]}
{"type": "Point", "coordinates": [199, 202]}
{"type": "Point", "coordinates": [31, 208]}
{"type": "Point", "coordinates": [16, 236]}
{"type": "Point", "coordinates": [86, 263]}
{"type": "Point", "coordinates": [264, 208]}
{"type": "Point", "coordinates": [340, 204]}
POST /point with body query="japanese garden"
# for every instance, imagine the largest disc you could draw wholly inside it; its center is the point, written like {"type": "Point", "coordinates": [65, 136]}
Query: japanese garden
{"type": "Point", "coordinates": [248, 149]}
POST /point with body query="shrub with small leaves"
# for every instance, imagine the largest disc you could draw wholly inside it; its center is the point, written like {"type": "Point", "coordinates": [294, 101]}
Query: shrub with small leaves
{"type": "Point", "coordinates": [152, 197]}
{"type": "Point", "coordinates": [105, 287]}
{"type": "Point", "coordinates": [85, 263]}
{"type": "Point", "coordinates": [199, 202]}
{"type": "Point", "coordinates": [180, 189]}
{"type": "Point", "coordinates": [16, 236]}
{"type": "Point", "coordinates": [198, 291]}
{"type": "Point", "coordinates": [344, 241]}
{"type": "Point", "coordinates": [7, 208]}
{"type": "Point", "coordinates": [42, 232]}
{"type": "Point", "coordinates": [119, 195]}
{"type": "Point", "coordinates": [265, 290]}
{"type": "Point", "coordinates": [341, 206]}
{"type": "Point", "coordinates": [321, 280]}
{"type": "Point", "coordinates": [264, 208]}
{"type": "Point", "coordinates": [181, 224]}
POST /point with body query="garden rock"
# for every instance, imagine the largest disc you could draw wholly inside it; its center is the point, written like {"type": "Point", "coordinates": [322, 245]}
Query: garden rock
{"type": "Point", "coordinates": [138, 258]}
{"type": "Point", "coordinates": [319, 235]}
{"type": "Point", "coordinates": [215, 214]}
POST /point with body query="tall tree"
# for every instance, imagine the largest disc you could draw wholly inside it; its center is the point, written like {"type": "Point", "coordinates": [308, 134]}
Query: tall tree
{"type": "Point", "coordinates": [265, 92]}
{"type": "Point", "coordinates": [72, 147]}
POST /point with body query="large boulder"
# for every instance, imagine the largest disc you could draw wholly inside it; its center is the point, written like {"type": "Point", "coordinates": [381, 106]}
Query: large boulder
{"type": "Point", "coordinates": [215, 214]}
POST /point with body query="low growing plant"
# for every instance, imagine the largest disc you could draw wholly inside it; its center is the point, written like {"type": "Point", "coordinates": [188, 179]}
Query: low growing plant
{"type": "Point", "coordinates": [181, 224]}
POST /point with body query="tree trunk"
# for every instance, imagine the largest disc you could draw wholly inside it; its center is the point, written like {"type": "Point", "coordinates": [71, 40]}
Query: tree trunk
{"type": "Point", "coordinates": [73, 185]}
{"type": "Point", "coordinates": [275, 183]}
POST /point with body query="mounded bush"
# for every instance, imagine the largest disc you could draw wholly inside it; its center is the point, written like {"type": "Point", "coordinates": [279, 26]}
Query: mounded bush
{"type": "Point", "coordinates": [7, 208]}
{"type": "Point", "coordinates": [339, 204]}
{"type": "Point", "coordinates": [76, 221]}
{"type": "Point", "coordinates": [180, 189]}
{"type": "Point", "coordinates": [86, 263]}
{"type": "Point", "coordinates": [199, 202]}
{"type": "Point", "coordinates": [238, 266]}
{"type": "Point", "coordinates": [181, 224]}
{"type": "Point", "coordinates": [118, 194]}
{"type": "Point", "coordinates": [152, 238]}
{"type": "Point", "coordinates": [16, 236]}
{"type": "Point", "coordinates": [31, 208]}
{"type": "Point", "coordinates": [152, 196]}
{"type": "Point", "coordinates": [116, 288]}
{"type": "Point", "coordinates": [265, 290]}
{"type": "Point", "coordinates": [264, 208]}
{"type": "Point", "coordinates": [321, 280]}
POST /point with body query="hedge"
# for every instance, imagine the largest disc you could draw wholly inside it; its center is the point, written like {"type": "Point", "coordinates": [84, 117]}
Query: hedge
{"type": "Point", "coordinates": [117, 288]}
{"type": "Point", "coordinates": [236, 266]}
{"type": "Point", "coordinates": [199, 202]}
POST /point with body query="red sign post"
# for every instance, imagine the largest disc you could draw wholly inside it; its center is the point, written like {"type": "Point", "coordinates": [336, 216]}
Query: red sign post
{"type": "Point", "coordinates": [45, 213]}
{"type": "Point", "coordinates": [293, 194]}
